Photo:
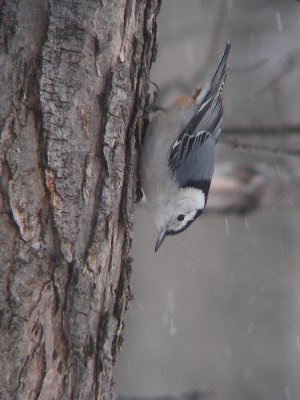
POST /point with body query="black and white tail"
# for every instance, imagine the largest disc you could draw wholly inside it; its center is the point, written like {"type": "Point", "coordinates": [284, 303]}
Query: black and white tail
{"type": "Point", "coordinates": [219, 77]}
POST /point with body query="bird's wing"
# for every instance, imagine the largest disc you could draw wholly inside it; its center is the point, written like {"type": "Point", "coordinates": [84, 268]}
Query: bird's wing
{"type": "Point", "coordinates": [193, 153]}
{"type": "Point", "coordinates": [195, 167]}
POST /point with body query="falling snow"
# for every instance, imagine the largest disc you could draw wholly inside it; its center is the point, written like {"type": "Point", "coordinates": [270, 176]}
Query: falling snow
{"type": "Point", "coordinates": [281, 268]}
{"type": "Point", "coordinates": [298, 342]}
{"type": "Point", "coordinates": [227, 226]}
{"type": "Point", "coordinates": [281, 246]}
{"type": "Point", "coordinates": [230, 4]}
{"type": "Point", "coordinates": [141, 307]}
{"type": "Point", "coordinates": [173, 329]}
{"type": "Point", "coordinates": [278, 21]}
{"type": "Point", "coordinates": [287, 393]}
{"type": "Point", "coordinates": [250, 328]}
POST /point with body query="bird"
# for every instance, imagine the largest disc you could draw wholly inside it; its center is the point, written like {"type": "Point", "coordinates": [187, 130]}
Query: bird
{"type": "Point", "coordinates": [178, 155]}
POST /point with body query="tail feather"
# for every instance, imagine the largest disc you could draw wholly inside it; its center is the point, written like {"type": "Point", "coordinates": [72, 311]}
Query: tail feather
{"type": "Point", "coordinates": [214, 87]}
{"type": "Point", "coordinates": [221, 71]}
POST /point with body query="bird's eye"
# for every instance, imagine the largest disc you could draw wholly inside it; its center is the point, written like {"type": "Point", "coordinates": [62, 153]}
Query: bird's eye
{"type": "Point", "coordinates": [181, 217]}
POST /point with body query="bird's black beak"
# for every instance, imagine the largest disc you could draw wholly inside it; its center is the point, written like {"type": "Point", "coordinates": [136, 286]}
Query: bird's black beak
{"type": "Point", "coordinates": [160, 239]}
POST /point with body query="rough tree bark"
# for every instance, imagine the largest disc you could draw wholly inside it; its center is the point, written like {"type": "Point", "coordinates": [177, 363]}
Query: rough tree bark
{"type": "Point", "coordinates": [73, 77]}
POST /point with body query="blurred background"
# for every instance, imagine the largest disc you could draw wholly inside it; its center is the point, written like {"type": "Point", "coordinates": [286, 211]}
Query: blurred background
{"type": "Point", "coordinates": [218, 307]}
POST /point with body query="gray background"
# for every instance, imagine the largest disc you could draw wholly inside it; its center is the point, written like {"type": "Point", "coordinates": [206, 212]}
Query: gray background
{"type": "Point", "coordinates": [218, 306]}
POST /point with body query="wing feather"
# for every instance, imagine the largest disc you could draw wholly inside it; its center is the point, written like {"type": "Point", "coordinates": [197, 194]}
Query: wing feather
{"type": "Point", "coordinates": [193, 153]}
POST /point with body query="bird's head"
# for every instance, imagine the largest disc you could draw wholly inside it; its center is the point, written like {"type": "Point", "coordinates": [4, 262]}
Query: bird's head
{"type": "Point", "coordinates": [175, 214]}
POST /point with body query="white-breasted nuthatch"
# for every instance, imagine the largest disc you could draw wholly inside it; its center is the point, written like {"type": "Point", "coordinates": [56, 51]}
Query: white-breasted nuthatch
{"type": "Point", "coordinates": [178, 156]}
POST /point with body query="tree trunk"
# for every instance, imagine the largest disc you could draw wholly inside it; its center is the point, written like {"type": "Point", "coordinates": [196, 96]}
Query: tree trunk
{"type": "Point", "coordinates": [73, 77]}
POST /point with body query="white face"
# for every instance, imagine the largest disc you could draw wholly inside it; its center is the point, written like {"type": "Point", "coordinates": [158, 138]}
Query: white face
{"type": "Point", "coordinates": [177, 213]}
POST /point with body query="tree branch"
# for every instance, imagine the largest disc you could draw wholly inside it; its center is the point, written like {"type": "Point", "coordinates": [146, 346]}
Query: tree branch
{"type": "Point", "coordinates": [262, 130]}
{"type": "Point", "coordinates": [259, 149]}
{"type": "Point", "coordinates": [195, 395]}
